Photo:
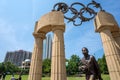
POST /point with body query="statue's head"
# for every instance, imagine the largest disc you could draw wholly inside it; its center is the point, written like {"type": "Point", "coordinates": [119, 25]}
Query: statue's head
{"type": "Point", "coordinates": [85, 51]}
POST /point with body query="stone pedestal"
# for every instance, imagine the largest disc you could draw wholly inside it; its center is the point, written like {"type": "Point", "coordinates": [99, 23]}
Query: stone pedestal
{"type": "Point", "coordinates": [106, 26]}
{"type": "Point", "coordinates": [35, 72]}
{"type": "Point", "coordinates": [58, 69]}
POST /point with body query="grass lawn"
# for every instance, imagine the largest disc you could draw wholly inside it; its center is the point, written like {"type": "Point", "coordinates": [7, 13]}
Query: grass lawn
{"type": "Point", "coordinates": [25, 77]}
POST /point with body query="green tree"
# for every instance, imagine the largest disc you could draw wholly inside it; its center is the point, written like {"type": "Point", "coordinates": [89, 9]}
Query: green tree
{"type": "Point", "coordinates": [2, 68]}
{"type": "Point", "coordinates": [103, 65]}
{"type": "Point", "coordinates": [72, 67]}
{"type": "Point", "coordinates": [8, 67]}
{"type": "Point", "coordinates": [46, 67]}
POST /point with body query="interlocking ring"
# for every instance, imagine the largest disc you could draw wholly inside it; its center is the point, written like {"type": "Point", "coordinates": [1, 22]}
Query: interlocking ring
{"type": "Point", "coordinates": [78, 14]}
{"type": "Point", "coordinates": [61, 7]}
{"type": "Point", "coordinates": [87, 10]}
{"type": "Point", "coordinates": [95, 5]}
{"type": "Point", "coordinates": [75, 15]}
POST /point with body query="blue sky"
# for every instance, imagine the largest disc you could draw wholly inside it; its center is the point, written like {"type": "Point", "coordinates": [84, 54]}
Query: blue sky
{"type": "Point", "coordinates": [17, 20]}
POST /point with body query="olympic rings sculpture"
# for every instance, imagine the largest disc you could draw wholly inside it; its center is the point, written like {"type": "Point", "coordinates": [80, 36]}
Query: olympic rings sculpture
{"type": "Point", "coordinates": [78, 13]}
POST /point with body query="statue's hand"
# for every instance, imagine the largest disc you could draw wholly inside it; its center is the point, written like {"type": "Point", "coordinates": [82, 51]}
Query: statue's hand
{"type": "Point", "coordinates": [82, 67]}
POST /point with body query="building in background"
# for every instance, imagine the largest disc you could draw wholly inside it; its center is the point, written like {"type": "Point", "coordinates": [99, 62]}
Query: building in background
{"type": "Point", "coordinates": [26, 64]}
{"type": "Point", "coordinates": [22, 58]}
{"type": "Point", "coordinates": [48, 47]}
{"type": "Point", "coordinates": [17, 57]}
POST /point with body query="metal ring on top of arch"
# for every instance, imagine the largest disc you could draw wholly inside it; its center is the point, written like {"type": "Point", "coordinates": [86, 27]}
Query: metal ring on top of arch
{"type": "Point", "coordinates": [78, 13]}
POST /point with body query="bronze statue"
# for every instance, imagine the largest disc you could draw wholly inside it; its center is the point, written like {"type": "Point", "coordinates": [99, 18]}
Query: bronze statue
{"type": "Point", "coordinates": [90, 66]}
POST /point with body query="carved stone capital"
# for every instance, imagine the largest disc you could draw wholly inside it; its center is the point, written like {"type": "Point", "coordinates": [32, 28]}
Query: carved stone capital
{"type": "Point", "coordinates": [39, 35]}
{"type": "Point", "coordinates": [103, 20]}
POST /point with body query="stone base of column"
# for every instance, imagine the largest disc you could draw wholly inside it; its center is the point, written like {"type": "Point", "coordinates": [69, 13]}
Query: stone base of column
{"type": "Point", "coordinates": [113, 66]}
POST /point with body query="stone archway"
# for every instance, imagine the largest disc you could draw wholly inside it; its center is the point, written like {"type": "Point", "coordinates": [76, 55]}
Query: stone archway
{"type": "Point", "coordinates": [54, 21]}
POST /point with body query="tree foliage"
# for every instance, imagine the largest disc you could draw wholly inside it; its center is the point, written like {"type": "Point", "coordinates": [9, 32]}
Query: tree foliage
{"type": "Point", "coordinates": [46, 66]}
{"type": "Point", "coordinates": [103, 65]}
{"type": "Point", "coordinates": [72, 67]}
{"type": "Point", "coordinates": [8, 67]}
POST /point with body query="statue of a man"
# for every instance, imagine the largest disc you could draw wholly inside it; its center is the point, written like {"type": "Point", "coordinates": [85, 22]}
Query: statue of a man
{"type": "Point", "coordinates": [90, 66]}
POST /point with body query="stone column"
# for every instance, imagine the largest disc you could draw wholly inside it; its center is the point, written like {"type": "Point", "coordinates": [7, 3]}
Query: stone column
{"type": "Point", "coordinates": [58, 68]}
{"type": "Point", "coordinates": [105, 25]}
{"type": "Point", "coordinates": [111, 54]}
{"type": "Point", "coordinates": [116, 36]}
{"type": "Point", "coordinates": [35, 72]}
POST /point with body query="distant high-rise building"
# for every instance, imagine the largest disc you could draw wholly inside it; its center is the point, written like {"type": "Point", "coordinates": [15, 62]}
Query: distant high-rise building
{"type": "Point", "coordinates": [17, 57]}
{"type": "Point", "coordinates": [48, 47]}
